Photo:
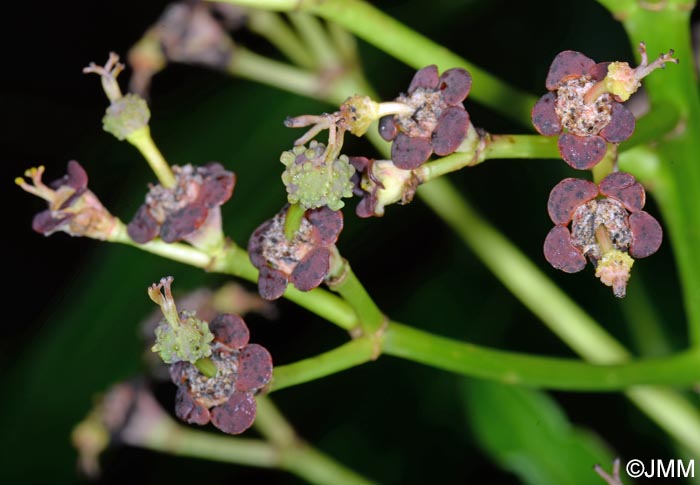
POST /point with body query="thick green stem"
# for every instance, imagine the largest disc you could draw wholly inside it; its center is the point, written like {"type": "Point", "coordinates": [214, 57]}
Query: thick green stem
{"type": "Point", "coordinates": [466, 359]}
{"type": "Point", "coordinates": [535, 371]}
{"type": "Point", "coordinates": [341, 358]}
{"type": "Point", "coordinates": [675, 187]}
{"type": "Point", "coordinates": [296, 456]}
{"type": "Point", "coordinates": [254, 67]}
{"type": "Point", "coordinates": [234, 261]}
{"type": "Point", "coordinates": [369, 316]}
{"type": "Point", "coordinates": [416, 50]}
{"type": "Point", "coordinates": [293, 456]}
{"type": "Point", "coordinates": [316, 39]}
{"type": "Point", "coordinates": [273, 27]}
{"type": "Point", "coordinates": [143, 141]}
{"type": "Point", "coordinates": [168, 437]}
{"type": "Point", "coordinates": [491, 147]}
{"type": "Point", "coordinates": [316, 467]}
{"type": "Point", "coordinates": [670, 410]}
{"type": "Point", "coordinates": [522, 277]}
{"type": "Point", "coordinates": [270, 422]}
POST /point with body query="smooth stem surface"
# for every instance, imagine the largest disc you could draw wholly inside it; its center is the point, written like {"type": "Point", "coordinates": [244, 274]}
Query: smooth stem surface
{"type": "Point", "coordinates": [676, 187]}
{"type": "Point", "coordinates": [534, 371]}
{"type": "Point", "coordinates": [491, 147]}
{"type": "Point", "coordinates": [370, 318]}
{"type": "Point", "coordinates": [522, 277]}
{"type": "Point", "coordinates": [406, 45]}
{"type": "Point", "coordinates": [678, 369]}
{"type": "Point", "coordinates": [271, 423]}
{"type": "Point", "coordinates": [466, 359]}
{"type": "Point", "coordinates": [143, 141]}
{"type": "Point", "coordinates": [234, 261]}
{"type": "Point", "coordinates": [271, 26]}
{"type": "Point", "coordinates": [670, 410]}
{"type": "Point", "coordinates": [254, 67]}
{"type": "Point", "coordinates": [316, 39]}
{"type": "Point", "coordinates": [346, 356]}
{"type": "Point", "coordinates": [169, 437]}
{"type": "Point", "coordinates": [316, 467]}
{"type": "Point", "coordinates": [293, 456]}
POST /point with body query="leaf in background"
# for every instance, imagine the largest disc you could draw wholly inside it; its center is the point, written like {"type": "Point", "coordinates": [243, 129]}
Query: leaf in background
{"type": "Point", "coordinates": [526, 432]}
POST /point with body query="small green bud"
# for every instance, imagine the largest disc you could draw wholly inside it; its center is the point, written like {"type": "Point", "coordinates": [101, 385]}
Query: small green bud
{"type": "Point", "coordinates": [126, 115]}
{"type": "Point", "coordinates": [313, 182]}
{"type": "Point", "coordinates": [179, 336]}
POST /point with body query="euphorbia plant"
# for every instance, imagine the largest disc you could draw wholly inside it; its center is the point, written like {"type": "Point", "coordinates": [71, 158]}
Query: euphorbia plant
{"type": "Point", "coordinates": [293, 253]}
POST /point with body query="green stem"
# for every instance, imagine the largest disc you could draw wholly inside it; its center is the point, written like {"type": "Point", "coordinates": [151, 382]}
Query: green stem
{"type": "Point", "coordinates": [293, 456]}
{"type": "Point", "coordinates": [370, 317]}
{"type": "Point", "coordinates": [491, 147]}
{"type": "Point", "coordinates": [316, 39]}
{"type": "Point", "coordinates": [416, 50]}
{"type": "Point", "coordinates": [168, 437]}
{"type": "Point", "coordinates": [535, 371]}
{"type": "Point", "coordinates": [234, 261]}
{"type": "Point", "coordinates": [316, 467]}
{"type": "Point", "coordinates": [270, 422]}
{"type": "Point", "coordinates": [143, 141]}
{"type": "Point", "coordinates": [670, 410]}
{"type": "Point", "coordinates": [254, 67]}
{"type": "Point", "coordinates": [676, 185]}
{"type": "Point", "coordinates": [522, 277]}
{"type": "Point", "coordinates": [346, 356]}
{"type": "Point", "coordinates": [271, 26]}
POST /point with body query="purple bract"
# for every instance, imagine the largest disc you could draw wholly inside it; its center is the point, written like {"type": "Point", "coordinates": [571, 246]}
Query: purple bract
{"type": "Point", "coordinates": [304, 260]}
{"type": "Point", "coordinates": [584, 126]}
{"type": "Point", "coordinates": [178, 213]}
{"type": "Point", "coordinates": [438, 123]}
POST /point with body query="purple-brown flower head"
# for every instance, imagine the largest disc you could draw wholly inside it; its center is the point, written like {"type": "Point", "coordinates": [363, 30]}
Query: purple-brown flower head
{"type": "Point", "coordinates": [73, 208]}
{"type": "Point", "coordinates": [608, 227]}
{"type": "Point", "coordinates": [436, 121]}
{"type": "Point", "coordinates": [381, 183]}
{"type": "Point", "coordinates": [190, 211]}
{"type": "Point", "coordinates": [187, 33]}
{"type": "Point", "coordinates": [583, 105]}
{"type": "Point", "coordinates": [303, 260]}
{"type": "Point", "coordinates": [226, 399]}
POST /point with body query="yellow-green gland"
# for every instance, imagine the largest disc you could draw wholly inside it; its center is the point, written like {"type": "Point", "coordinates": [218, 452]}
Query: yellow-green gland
{"type": "Point", "coordinates": [613, 269]}
{"type": "Point", "coordinates": [126, 115]}
{"type": "Point", "coordinates": [359, 113]}
{"type": "Point", "coordinates": [313, 182]}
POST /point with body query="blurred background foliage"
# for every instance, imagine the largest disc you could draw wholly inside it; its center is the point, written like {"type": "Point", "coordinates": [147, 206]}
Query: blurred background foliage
{"type": "Point", "coordinates": [75, 305]}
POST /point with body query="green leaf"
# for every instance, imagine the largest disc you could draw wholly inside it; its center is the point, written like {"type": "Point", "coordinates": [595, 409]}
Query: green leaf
{"type": "Point", "coordinates": [527, 433]}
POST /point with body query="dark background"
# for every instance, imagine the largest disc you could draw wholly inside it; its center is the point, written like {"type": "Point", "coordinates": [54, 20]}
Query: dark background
{"type": "Point", "coordinates": [71, 318]}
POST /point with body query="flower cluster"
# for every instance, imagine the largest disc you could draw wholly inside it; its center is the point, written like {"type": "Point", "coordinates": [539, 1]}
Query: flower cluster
{"type": "Point", "coordinates": [189, 211]}
{"type": "Point", "coordinates": [73, 208]}
{"type": "Point", "coordinates": [436, 121]}
{"type": "Point", "coordinates": [215, 368]}
{"type": "Point", "coordinates": [608, 227]}
{"type": "Point", "coordinates": [303, 259]}
{"type": "Point", "coordinates": [583, 105]}
{"type": "Point", "coordinates": [312, 181]}
{"type": "Point", "coordinates": [226, 399]}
